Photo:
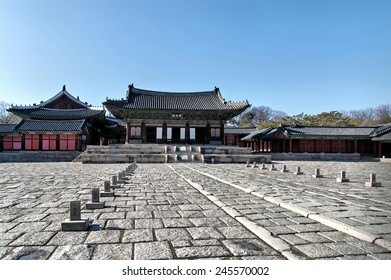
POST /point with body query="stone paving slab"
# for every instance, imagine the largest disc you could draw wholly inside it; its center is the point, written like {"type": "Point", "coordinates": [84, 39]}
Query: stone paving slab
{"type": "Point", "coordinates": [154, 215]}
{"type": "Point", "coordinates": [193, 211]}
{"type": "Point", "coordinates": [233, 185]}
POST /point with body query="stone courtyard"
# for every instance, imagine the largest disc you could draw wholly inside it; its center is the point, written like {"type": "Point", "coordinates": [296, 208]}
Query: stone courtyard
{"type": "Point", "coordinates": [198, 211]}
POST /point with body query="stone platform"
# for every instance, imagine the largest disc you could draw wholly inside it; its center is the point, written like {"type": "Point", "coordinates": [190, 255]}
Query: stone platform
{"type": "Point", "coordinates": [197, 211]}
{"type": "Point", "coordinates": [155, 153]}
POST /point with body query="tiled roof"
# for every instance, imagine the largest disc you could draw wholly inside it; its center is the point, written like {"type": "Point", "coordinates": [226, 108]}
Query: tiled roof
{"type": "Point", "coordinates": [146, 99]}
{"type": "Point", "coordinates": [54, 114]}
{"type": "Point", "coordinates": [239, 130]}
{"type": "Point", "coordinates": [382, 133]}
{"type": "Point", "coordinates": [383, 129]}
{"type": "Point", "coordinates": [45, 110]}
{"type": "Point", "coordinates": [256, 135]}
{"type": "Point", "coordinates": [325, 131]}
{"type": "Point", "coordinates": [6, 128]}
{"type": "Point", "coordinates": [50, 126]}
{"type": "Point", "coordinates": [383, 138]}
{"type": "Point", "coordinates": [269, 135]}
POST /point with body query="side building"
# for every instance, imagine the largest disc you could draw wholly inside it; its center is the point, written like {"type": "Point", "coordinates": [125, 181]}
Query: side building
{"type": "Point", "coordinates": [174, 117]}
{"type": "Point", "coordinates": [364, 140]}
{"type": "Point", "coordinates": [62, 123]}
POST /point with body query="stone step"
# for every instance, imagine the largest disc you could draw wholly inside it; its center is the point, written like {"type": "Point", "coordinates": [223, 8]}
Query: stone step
{"type": "Point", "coordinates": [230, 158]}
{"type": "Point", "coordinates": [123, 158]}
{"type": "Point", "coordinates": [158, 153]}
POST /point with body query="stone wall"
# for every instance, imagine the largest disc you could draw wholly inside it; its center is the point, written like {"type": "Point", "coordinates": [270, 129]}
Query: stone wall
{"type": "Point", "coordinates": [39, 156]}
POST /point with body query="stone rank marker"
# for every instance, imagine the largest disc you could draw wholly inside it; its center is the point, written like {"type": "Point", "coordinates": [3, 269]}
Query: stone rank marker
{"type": "Point", "coordinates": [120, 179]}
{"type": "Point", "coordinates": [342, 177]}
{"type": "Point", "coordinates": [284, 169]}
{"type": "Point", "coordinates": [114, 182]}
{"type": "Point", "coordinates": [107, 190]}
{"type": "Point", "coordinates": [254, 164]}
{"type": "Point", "coordinates": [263, 167]}
{"type": "Point", "coordinates": [129, 171]}
{"type": "Point", "coordinates": [95, 203]}
{"type": "Point", "coordinates": [317, 174]}
{"type": "Point", "coordinates": [372, 181]}
{"type": "Point", "coordinates": [247, 164]}
{"type": "Point", "coordinates": [298, 171]}
{"type": "Point", "coordinates": [272, 168]}
{"type": "Point", "coordinates": [124, 177]}
{"type": "Point", "coordinates": [75, 222]}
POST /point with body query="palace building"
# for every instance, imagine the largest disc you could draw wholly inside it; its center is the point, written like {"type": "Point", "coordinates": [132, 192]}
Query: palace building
{"type": "Point", "coordinates": [62, 123]}
{"type": "Point", "coordinates": [174, 117]}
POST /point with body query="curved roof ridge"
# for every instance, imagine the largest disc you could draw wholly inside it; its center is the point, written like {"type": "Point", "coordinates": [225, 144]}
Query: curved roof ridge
{"type": "Point", "coordinates": [67, 94]}
{"type": "Point", "coordinates": [154, 92]}
{"type": "Point", "coordinates": [63, 92]}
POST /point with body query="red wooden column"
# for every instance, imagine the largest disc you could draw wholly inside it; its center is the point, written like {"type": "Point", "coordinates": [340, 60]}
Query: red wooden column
{"type": "Point", "coordinates": [339, 145]}
{"type": "Point", "coordinates": [127, 133]}
{"type": "Point", "coordinates": [207, 133]}
{"type": "Point", "coordinates": [222, 131]}
{"type": "Point", "coordinates": [164, 132]}
{"type": "Point", "coordinates": [305, 145]}
{"type": "Point", "coordinates": [290, 145]}
{"type": "Point", "coordinates": [143, 133]}
{"type": "Point", "coordinates": [187, 133]}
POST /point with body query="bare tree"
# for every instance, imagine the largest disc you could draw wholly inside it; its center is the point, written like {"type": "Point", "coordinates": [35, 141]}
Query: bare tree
{"type": "Point", "coordinates": [383, 113]}
{"type": "Point", "coordinates": [5, 116]}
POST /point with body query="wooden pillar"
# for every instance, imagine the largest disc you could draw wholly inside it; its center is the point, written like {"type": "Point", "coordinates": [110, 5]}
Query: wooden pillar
{"type": "Point", "coordinates": [207, 133]}
{"type": "Point", "coordinates": [127, 132]}
{"type": "Point", "coordinates": [355, 145]}
{"type": "Point", "coordinates": [339, 145]}
{"type": "Point", "coordinates": [305, 145]}
{"type": "Point", "coordinates": [322, 145]}
{"type": "Point", "coordinates": [380, 153]}
{"type": "Point", "coordinates": [1, 143]}
{"type": "Point", "coordinates": [164, 132]}
{"type": "Point", "coordinates": [143, 133]}
{"type": "Point", "coordinates": [222, 131]}
{"type": "Point", "coordinates": [375, 148]}
{"type": "Point", "coordinates": [290, 145]}
{"type": "Point", "coordinates": [24, 142]}
{"type": "Point", "coordinates": [57, 142]}
{"type": "Point", "coordinates": [187, 133]}
{"type": "Point", "coordinates": [40, 140]}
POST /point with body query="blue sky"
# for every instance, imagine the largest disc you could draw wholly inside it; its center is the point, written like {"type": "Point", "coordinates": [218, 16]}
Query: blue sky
{"type": "Point", "coordinates": [295, 56]}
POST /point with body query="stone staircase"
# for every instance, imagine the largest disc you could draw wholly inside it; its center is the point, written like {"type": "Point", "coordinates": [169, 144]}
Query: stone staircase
{"type": "Point", "coordinates": [124, 153]}
{"type": "Point", "coordinates": [158, 153]}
